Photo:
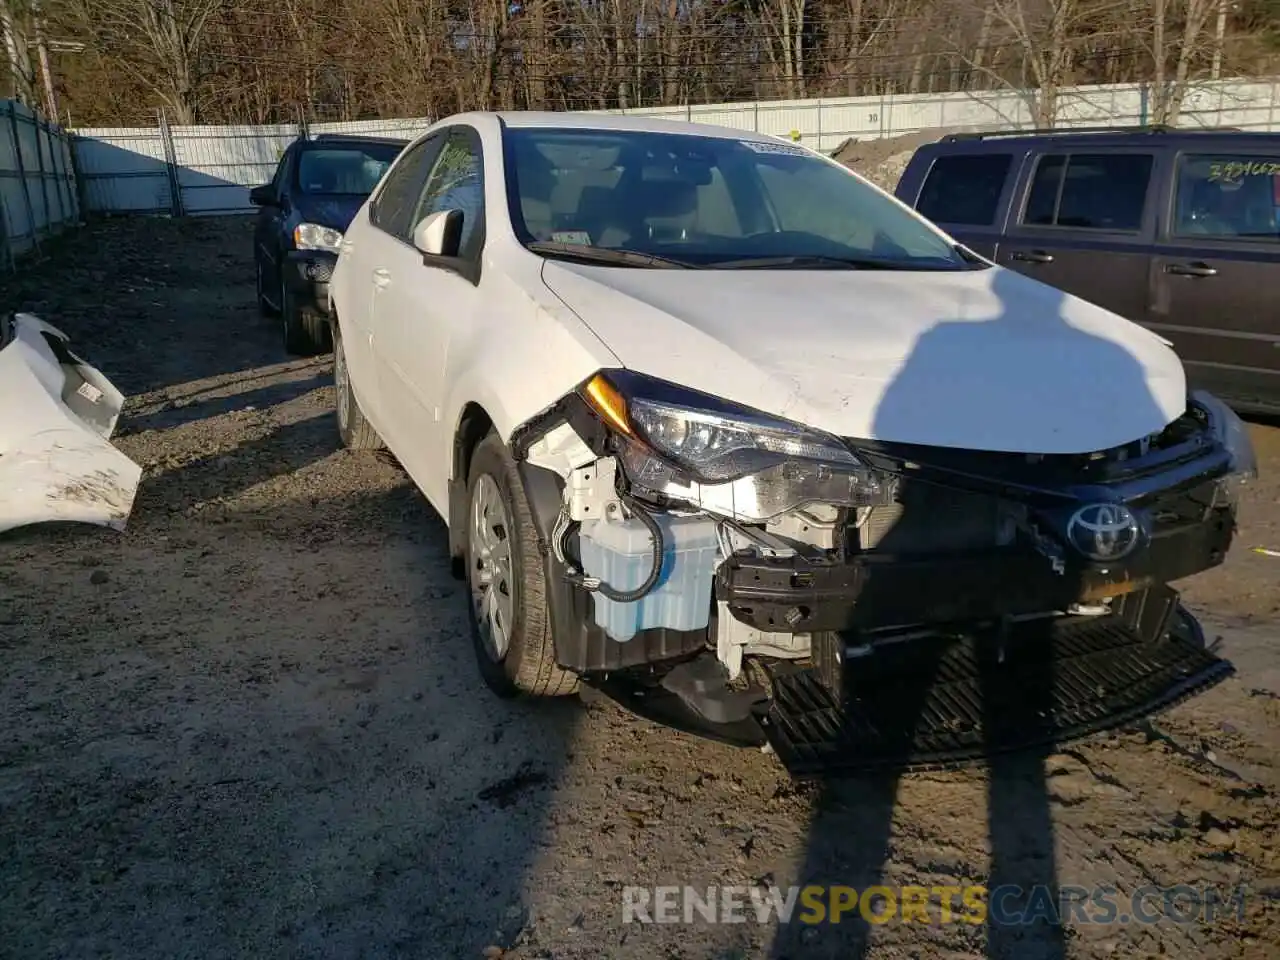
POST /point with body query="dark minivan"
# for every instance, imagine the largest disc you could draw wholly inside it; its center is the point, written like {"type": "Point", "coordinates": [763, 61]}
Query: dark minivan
{"type": "Point", "coordinates": [319, 184]}
{"type": "Point", "coordinates": [1178, 230]}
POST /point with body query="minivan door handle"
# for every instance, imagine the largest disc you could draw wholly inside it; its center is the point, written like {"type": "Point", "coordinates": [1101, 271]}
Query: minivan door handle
{"type": "Point", "coordinates": [1032, 256]}
{"type": "Point", "coordinates": [1196, 269]}
{"type": "Point", "coordinates": [381, 277]}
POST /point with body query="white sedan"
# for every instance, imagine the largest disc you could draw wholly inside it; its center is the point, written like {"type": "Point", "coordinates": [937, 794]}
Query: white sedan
{"type": "Point", "coordinates": [694, 400]}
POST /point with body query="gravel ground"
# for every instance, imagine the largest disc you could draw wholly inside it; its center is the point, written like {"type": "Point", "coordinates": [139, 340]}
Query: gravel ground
{"type": "Point", "coordinates": [251, 726]}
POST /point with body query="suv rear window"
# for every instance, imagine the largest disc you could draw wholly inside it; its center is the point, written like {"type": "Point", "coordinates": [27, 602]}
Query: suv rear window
{"type": "Point", "coordinates": [1104, 191]}
{"type": "Point", "coordinates": [1233, 197]}
{"type": "Point", "coordinates": [965, 188]}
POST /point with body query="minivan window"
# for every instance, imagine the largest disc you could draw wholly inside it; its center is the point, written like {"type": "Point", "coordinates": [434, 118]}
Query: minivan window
{"type": "Point", "coordinates": [1105, 191]}
{"type": "Point", "coordinates": [1230, 197]}
{"type": "Point", "coordinates": [965, 188]}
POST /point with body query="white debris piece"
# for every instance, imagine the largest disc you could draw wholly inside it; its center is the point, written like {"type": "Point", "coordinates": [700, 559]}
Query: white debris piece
{"type": "Point", "coordinates": [57, 414]}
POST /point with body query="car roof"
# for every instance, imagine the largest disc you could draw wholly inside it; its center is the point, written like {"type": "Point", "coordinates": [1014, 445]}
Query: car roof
{"type": "Point", "coordinates": [354, 139]}
{"type": "Point", "coordinates": [1111, 137]}
{"type": "Point", "coordinates": [533, 119]}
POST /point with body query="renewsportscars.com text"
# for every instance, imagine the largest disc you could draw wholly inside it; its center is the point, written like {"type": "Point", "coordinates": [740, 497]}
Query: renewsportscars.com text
{"type": "Point", "coordinates": [970, 904]}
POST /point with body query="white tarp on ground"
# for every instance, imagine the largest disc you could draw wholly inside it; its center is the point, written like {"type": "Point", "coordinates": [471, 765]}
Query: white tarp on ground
{"type": "Point", "coordinates": [57, 414]}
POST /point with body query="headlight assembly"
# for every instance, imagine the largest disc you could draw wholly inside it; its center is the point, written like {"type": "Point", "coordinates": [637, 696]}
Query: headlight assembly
{"type": "Point", "coordinates": [727, 458]}
{"type": "Point", "coordinates": [312, 236]}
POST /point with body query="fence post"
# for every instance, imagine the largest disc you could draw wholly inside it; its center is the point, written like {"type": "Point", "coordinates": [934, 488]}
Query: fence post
{"type": "Point", "coordinates": [4, 235]}
{"type": "Point", "coordinates": [59, 172]}
{"type": "Point", "coordinates": [171, 164]}
{"type": "Point", "coordinates": [22, 174]}
{"type": "Point", "coordinates": [44, 183]}
{"type": "Point", "coordinates": [78, 182]}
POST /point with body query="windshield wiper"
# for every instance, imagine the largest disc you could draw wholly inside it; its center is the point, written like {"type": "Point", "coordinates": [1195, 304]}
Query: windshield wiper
{"type": "Point", "coordinates": [614, 255]}
{"type": "Point", "coordinates": [803, 262]}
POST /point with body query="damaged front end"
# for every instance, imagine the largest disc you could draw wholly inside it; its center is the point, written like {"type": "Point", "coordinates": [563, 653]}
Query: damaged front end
{"type": "Point", "coordinates": [57, 462]}
{"type": "Point", "coordinates": [860, 604]}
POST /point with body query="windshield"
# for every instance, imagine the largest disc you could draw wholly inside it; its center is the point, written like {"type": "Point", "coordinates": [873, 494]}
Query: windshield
{"type": "Point", "coordinates": [347, 170]}
{"type": "Point", "coordinates": [706, 202]}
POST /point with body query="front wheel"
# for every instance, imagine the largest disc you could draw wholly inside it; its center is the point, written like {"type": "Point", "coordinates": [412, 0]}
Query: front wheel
{"type": "Point", "coordinates": [506, 584]}
{"type": "Point", "coordinates": [355, 431]}
{"type": "Point", "coordinates": [306, 332]}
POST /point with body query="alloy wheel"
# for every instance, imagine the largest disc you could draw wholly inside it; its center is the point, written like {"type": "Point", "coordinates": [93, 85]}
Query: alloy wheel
{"type": "Point", "coordinates": [340, 385]}
{"type": "Point", "coordinates": [490, 573]}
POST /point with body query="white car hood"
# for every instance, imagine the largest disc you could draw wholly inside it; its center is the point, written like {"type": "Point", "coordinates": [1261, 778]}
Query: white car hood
{"type": "Point", "coordinates": [982, 360]}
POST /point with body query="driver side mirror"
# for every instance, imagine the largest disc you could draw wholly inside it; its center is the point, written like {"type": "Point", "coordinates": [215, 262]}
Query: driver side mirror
{"type": "Point", "coordinates": [439, 234]}
{"type": "Point", "coordinates": [263, 196]}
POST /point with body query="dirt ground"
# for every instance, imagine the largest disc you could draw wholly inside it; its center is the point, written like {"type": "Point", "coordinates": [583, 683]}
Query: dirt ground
{"type": "Point", "coordinates": [251, 725]}
{"type": "Point", "coordinates": [883, 160]}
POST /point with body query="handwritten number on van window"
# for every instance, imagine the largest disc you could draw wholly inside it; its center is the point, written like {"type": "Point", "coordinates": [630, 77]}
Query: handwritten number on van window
{"type": "Point", "coordinates": [1236, 169]}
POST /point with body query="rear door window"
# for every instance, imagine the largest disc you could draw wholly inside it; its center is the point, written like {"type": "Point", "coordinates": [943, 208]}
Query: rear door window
{"type": "Point", "coordinates": [965, 189]}
{"type": "Point", "coordinates": [1101, 191]}
{"type": "Point", "coordinates": [1228, 197]}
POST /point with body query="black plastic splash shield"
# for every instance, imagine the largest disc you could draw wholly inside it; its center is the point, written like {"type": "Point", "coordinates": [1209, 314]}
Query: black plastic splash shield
{"type": "Point", "coordinates": [962, 701]}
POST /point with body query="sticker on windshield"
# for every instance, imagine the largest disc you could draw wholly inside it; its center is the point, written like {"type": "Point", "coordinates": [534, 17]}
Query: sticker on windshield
{"type": "Point", "coordinates": [580, 237]}
{"type": "Point", "coordinates": [789, 149]}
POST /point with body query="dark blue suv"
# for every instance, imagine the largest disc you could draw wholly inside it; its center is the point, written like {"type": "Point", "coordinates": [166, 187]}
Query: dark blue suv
{"type": "Point", "coordinates": [303, 212]}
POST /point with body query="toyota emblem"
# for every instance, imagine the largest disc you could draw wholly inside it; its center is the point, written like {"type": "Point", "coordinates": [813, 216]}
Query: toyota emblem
{"type": "Point", "coordinates": [1104, 531]}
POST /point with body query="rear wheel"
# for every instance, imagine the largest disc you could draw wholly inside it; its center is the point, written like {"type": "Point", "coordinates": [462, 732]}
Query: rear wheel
{"type": "Point", "coordinates": [306, 331]}
{"type": "Point", "coordinates": [506, 585]}
{"type": "Point", "coordinates": [355, 431]}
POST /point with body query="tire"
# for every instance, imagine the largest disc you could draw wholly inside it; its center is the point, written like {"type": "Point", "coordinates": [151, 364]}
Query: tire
{"type": "Point", "coordinates": [306, 331]}
{"type": "Point", "coordinates": [354, 430]}
{"type": "Point", "coordinates": [264, 308]}
{"type": "Point", "coordinates": [498, 521]}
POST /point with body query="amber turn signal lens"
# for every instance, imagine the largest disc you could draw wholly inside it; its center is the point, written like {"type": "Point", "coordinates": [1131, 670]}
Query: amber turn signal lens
{"type": "Point", "coordinates": [609, 403]}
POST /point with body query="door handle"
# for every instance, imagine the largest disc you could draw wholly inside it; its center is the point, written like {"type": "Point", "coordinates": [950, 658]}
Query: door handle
{"type": "Point", "coordinates": [1196, 269]}
{"type": "Point", "coordinates": [1032, 256]}
{"type": "Point", "coordinates": [381, 278]}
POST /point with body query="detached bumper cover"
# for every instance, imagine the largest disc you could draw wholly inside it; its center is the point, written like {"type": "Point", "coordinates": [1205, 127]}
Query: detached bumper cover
{"type": "Point", "coordinates": [57, 414]}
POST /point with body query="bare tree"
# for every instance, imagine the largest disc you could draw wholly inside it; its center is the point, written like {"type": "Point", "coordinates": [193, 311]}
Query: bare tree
{"type": "Point", "coordinates": [159, 42]}
{"type": "Point", "coordinates": [1169, 90]}
{"type": "Point", "coordinates": [270, 60]}
{"type": "Point", "coordinates": [22, 79]}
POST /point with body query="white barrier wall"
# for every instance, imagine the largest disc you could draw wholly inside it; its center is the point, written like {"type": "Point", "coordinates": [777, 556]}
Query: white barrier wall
{"type": "Point", "coordinates": [209, 169]}
{"type": "Point", "coordinates": [37, 183]}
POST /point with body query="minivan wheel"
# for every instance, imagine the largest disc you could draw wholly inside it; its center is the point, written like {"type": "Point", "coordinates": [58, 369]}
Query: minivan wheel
{"type": "Point", "coordinates": [506, 585]}
{"type": "Point", "coordinates": [354, 430]}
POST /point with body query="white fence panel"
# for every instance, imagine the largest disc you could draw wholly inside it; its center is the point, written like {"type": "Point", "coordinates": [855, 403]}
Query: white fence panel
{"type": "Point", "coordinates": [210, 169]}
{"type": "Point", "coordinates": [123, 170]}
{"type": "Point", "coordinates": [37, 187]}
